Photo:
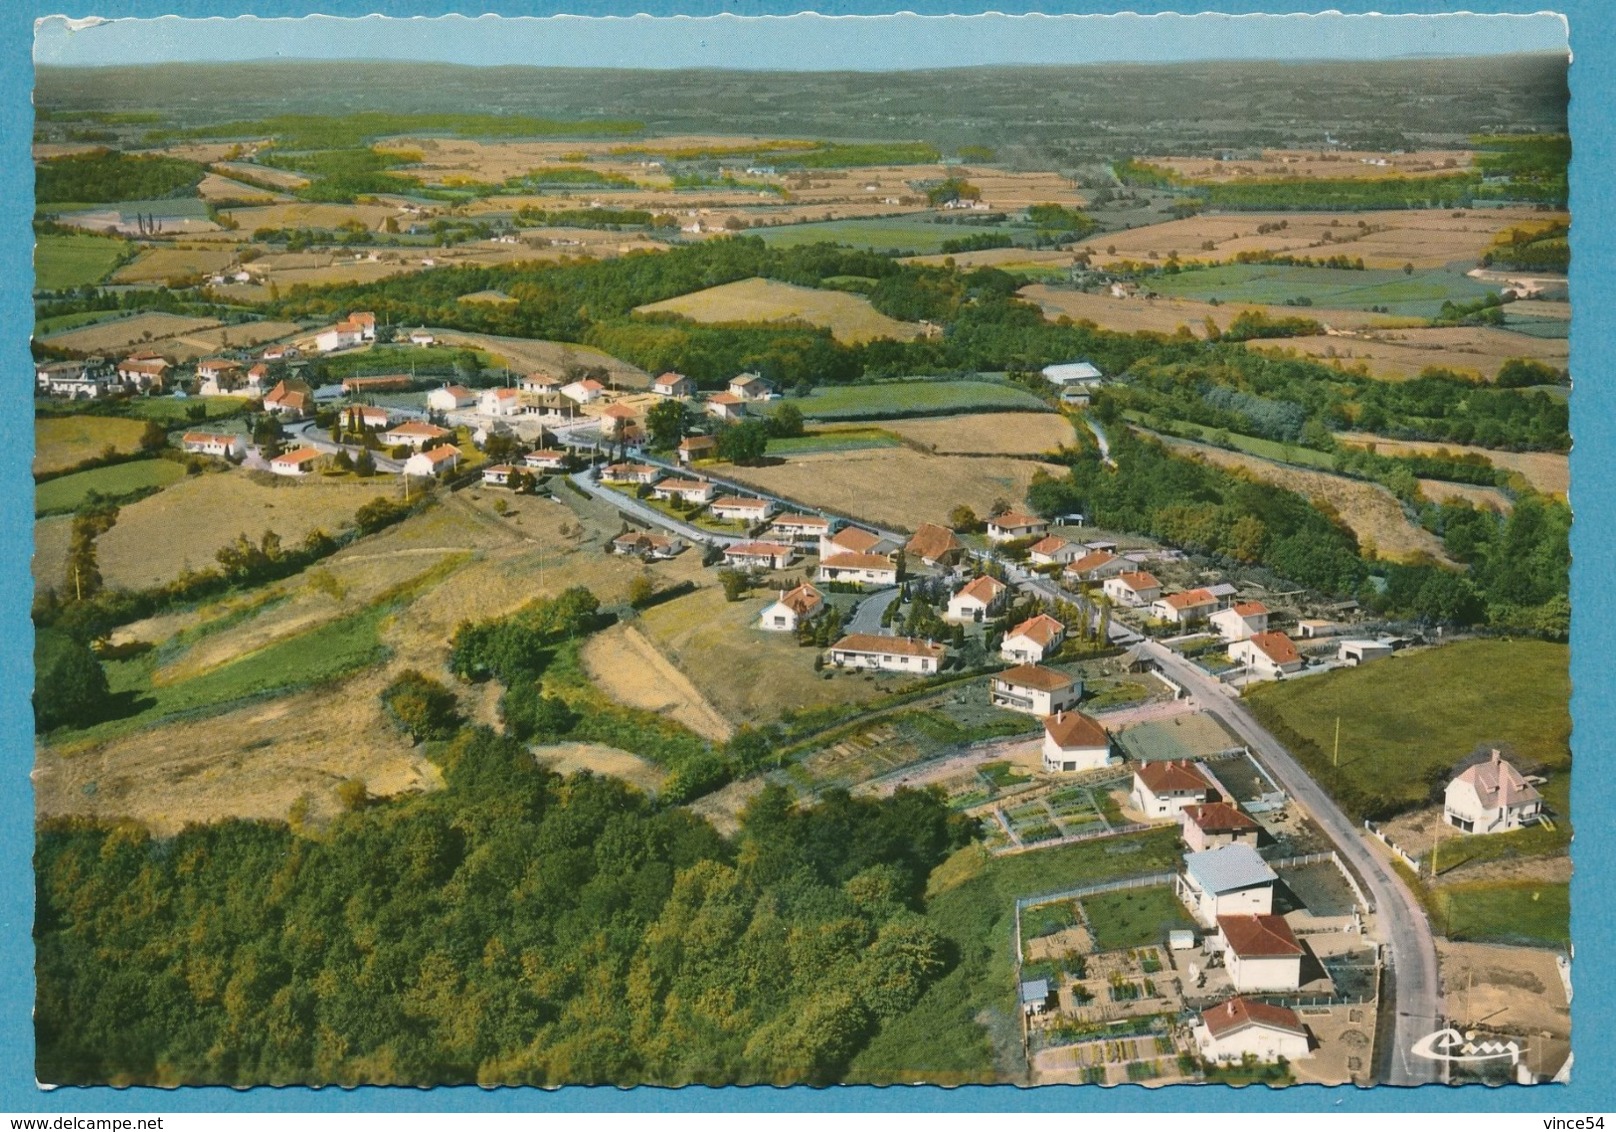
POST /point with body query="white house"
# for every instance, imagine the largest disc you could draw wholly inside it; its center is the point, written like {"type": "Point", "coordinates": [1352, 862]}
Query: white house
{"type": "Point", "coordinates": [618, 420]}
{"type": "Point", "coordinates": [1013, 525]}
{"type": "Point", "coordinates": [1232, 1031]}
{"type": "Point", "coordinates": [413, 434]}
{"type": "Point", "coordinates": [1211, 824]}
{"type": "Point", "coordinates": [647, 545]}
{"type": "Point", "coordinates": [257, 376]}
{"type": "Point", "coordinates": [751, 387]}
{"type": "Point", "coordinates": [1095, 566]}
{"type": "Point", "coordinates": [1491, 797]}
{"type": "Point", "coordinates": [691, 491]}
{"type": "Point", "coordinates": [1072, 373]}
{"type": "Point", "coordinates": [1241, 620]}
{"type": "Point", "coordinates": [693, 448]}
{"type": "Point", "coordinates": [583, 392]}
{"type": "Point", "coordinates": [366, 322]}
{"type": "Point", "coordinates": [498, 475]}
{"type": "Point", "coordinates": [1361, 652]}
{"type": "Point", "coordinates": [632, 473]}
{"type": "Point", "coordinates": [355, 417]}
{"type": "Point", "coordinates": [1228, 880]}
{"type": "Point", "coordinates": [290, 400]}
{"type": "Point", "coordinates": [1074, 741]}
{"type": "Point", "coordinates": [934, 545]}
{"type": "Point", "coordinates": [1134, 589]}
{"type": "Point", "coordinates": [75, 381]}
{"type": "Point", "coordinates": [225, 444]}
{"type": "Point", "coordinates": [546, 459]}
{"type": "Point", "coordinates": [1035, 690]}
{"type": "Point", "coordinates": [422, 337]}
{"type": "Point", "coordinates": [741, 509]}
{"type": "Point", "coordinates": [849, 540]}
{"type": "Point", "coordinates": [863, 569]}
{"type": "Point", "coordinates": [540, 384]}
{"type": "Point", "coordinates": [1185, 608]}
{"type": "Point", "coordinates": [888, 654]}
{"type": "Point", "coordinates": [1054, 551]}
{"type": "Point", "coordinates": [1163, 789]}
{"type": "Point", "coordinates": [432, 461]}
{"type": "Point", "coordinates": [1033, 639]}
{"type": "Point", "coordinates": [1260, 952]}
{"type": "Point", "coordinates": [767, 555]}
{"type": "Point", "coordinates": [1267, 656]}
{"type": "Point", "coordinates": [219, 375]}
{"type": "Point", "coordinates": [500, 402]}
{"type": "Point", "coordinates": [143, 371]}
{"type": "Point", "coordinates": [673, 385]}
{"type": "Point", "coordinates": [726, 406]}
{"type": "Point", "coordinates": [343, 336]}
{"type": "Point", "coordinates": [449, 398]}
{"type": "Point", "coordinates": [977, 600]}
{"type": "Point", "coordinates": [800, 528]}
{"type": "Point", "coordinates": [791, 609]}
{"type": "Point", "coordinates": [299, 462]}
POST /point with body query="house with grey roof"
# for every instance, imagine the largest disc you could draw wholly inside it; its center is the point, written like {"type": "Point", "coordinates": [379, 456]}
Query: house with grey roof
{"type": "Point", "coordinates": [1229, 880]}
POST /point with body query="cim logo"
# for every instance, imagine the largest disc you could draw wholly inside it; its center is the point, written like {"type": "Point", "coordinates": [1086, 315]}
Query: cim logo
{"type": "Point", "coordinates": [1451, 1045]}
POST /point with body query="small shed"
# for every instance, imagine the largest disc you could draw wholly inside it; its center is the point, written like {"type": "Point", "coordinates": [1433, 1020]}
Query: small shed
{"type": "Point", "coordinates": [1034, 996]}
{"type": "Point", "coordinates": [1362, 651]}
{"type": "Point", "coordinates": [1180, 940]}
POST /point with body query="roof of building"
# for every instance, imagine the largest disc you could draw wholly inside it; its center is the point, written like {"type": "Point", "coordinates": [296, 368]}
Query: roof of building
{"type": "Point", "coordinates": [1139, 580]}
{"type": "Point", "coordinates": [1250, 608]}
{"type": "Point", "coordinates": [801, 521]}
{"type": "Point", "coordinates": [802, 600]}
{"type": "Point", "coordinates": [724, 399]}
{"type": "Point", "coordinates": [1012, 520]}
{"type": "Point", "coordinates": [497, 470]}
{"type": "Point", "coordinates": [739, 502]}
{"type": "Point", "coordinates": [670, 378]}
{"type": "Point", "coordinates": [633, 470]}
{"type": "Point", "coordinates": [441, 454]}
{"type": "Point", "coordinates": [1051, 545]}
{"type": "Point", "coordinates": [1240, 1012]}
{"type": "Point", "coordinates": [851, 561]}
{"type": "Point", "coordinates": [1041, 628]}
{"type": "Point", "coordinates": [856, 539]}
{"type": "Point", "coordinates": [297, 456]}
{"type": "Point", "coordinates": [291, 393]}
{"type": "Point", "coordinates": [931, 541]}
{"type": "Point", "coordinates": [1257, 936]}
{"type": "Point", "coordinates": [418, 428]}
{"type": "Point", "coordinates": [691, 443]}
{"type": "Point", "coordinates": [1497, 783]}
{"type": "Point", "coordinates": [1171, 776]}
{"type": "Point", "coordinates": [984, 589]}
{"type": "Point", "coordinates": [1034, 990]}
{"type": "Point", "coordinates": [758, 550]}
{"type": "Point", "coordinates": [540, 378]}
{"type": "Point", "coordinates": [588, 383]}
{"type": "Point", "coordinates": [747, 379]}
{"type": "Point", "coordinates": [680, 485]}
{"type": "Point", "coordinates": [619, 412]}
{"type": "Point", "coordinates": [1228, 868]}
{"type": "Point", "coordinates": [1276, 646]}
{"type": "Point", "coordinates": [1190, 599]}
{"type": "Point", "coordinates": [1219, 817]}
{"type": "Point", "coordinates": [1091, 561]}
{"type": "Point", "coordinates": [209, 438]}
{"type": "Point", "coordinates": [896, 646]}
{"type": "Point", "coordinates": [1035, 676]}
{"type": "Point", "coordinates": [546, 454]}
{"type": "Point", "coordinates": [1072, 729]}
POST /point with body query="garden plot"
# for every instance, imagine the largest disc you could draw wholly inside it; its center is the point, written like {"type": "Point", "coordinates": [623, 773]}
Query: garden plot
{"type": "Point", "coordinates": [1189, 736]}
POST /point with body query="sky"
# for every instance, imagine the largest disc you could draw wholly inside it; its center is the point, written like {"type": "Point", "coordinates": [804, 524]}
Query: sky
{"type": "Point", "coordinates": [800, 42]}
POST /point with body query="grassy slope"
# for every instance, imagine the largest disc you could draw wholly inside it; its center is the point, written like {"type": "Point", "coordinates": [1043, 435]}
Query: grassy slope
{"type": "Point", "coordinates": [67, 492]}
{"type": "Point", "coordinates": [73, 261]}
{"type": "Point", "coordinates": [847, 402]}
{"type": "Point", "coordinates": [1419, 295]}
{"type": "Point", "coordinates": [61, 442]}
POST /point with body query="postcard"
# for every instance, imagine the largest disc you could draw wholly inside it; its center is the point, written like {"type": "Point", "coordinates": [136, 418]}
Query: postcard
{"type": "Point", "coordinates": [1022, 550]}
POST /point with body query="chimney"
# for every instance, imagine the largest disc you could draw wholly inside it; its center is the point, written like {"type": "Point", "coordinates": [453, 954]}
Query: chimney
{"type": "Point", "coordinates": [1497, 756]}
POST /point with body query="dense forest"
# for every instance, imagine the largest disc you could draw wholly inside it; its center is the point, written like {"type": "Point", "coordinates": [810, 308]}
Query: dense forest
{"type": "Point", "coordinates": [105, 176]}
{"type": "Point", "coordinates": [513, 928]}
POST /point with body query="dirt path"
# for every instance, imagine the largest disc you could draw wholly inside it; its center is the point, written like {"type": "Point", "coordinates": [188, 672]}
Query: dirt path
{"type": "Point", "coordinates": [628, 668]}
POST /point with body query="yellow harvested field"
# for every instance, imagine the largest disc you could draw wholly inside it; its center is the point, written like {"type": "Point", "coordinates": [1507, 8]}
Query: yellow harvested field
{"type": "Point", "coordinates": [45, 151]}
{"type": "Point", "coordinates": [849, 317]}
{"type": "Point", "coordinates": [1424, 237]}
{"type": "Point", "coordinates": [159, 264]}
{"type": "Point", "coordinates": [104, 337]}
{"type": "Point", "coordinates": [1442, 491]}
{"type": "Point", "coordinates": [1165, 315]}
{"type": "Point", "coordinates": [1008, 259]}
{"type": "Point", "coordinates": [216, 188]}
{"type": "Point", "coordinates": [1398, 354]}
{"type": "Point", "coordinates": [570, 758]}
{"type": "Point", "coordinates": [184, 525]}
{"type": "Point", "coordinates": [986, 434]}
{"type": "Point", "coordinates": [280, 178]}
{"type": "Point", "coordinates": [748, 674]}
{"type": "Point", "coordinates": [445, 160]}
{"type": "Point", "coordinates": [61, 442]}
{"type": "Point", "coordinates": [1373, 513]}
{"type": "Point", "coordinates": [187, 346]}
{"type": "Point", "coordinates": [1539, 308]}
{"type": "Point", "coordinates": [630, 670]}
{"type": "Point", "coordinates": [201, 152]}
{"type": "Point", "coordinates": [897, 488]}
{"type": "Point", "coordinates": [1548, 472]}
{"type": "Point", "coordinates": [302, 214]}
{"type": "Point", "coordinates": [1003, 190]}
{"type": "Point", "coordinates": [524, 355]}
{"type": "Point", "coordinates": [51, 538]}
{"type": "Point", "coordinates": [1332, 165]}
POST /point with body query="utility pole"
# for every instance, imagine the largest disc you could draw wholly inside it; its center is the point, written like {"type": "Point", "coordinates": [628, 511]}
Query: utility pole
{"type": "Point", "coordinates": [1336, 761]}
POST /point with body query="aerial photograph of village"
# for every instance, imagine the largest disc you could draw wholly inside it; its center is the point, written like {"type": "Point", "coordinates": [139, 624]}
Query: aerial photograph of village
{"type": "Point", "coordinates": [1001, 574]}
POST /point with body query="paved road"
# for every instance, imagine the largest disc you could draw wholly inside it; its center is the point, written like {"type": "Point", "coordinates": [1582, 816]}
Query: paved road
{"type": "Point", "coordinates": [308, 435]}
{"type": "Point", "coordinates": [867, 616]}
{"type": "Point", "coordinates": [651, 515]}
{"type": "Point", "coordinates": [1414, 990]}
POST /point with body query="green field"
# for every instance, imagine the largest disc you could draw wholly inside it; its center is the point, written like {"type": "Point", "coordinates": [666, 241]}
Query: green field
{"type": "Point", "coordinates": [174, 411]}
{"type": "Point", "coordinates": [1408, 720]}
{"type": "Point", "coordinates": [66, 441]}
{"type": "Point", "coordinates": [841, 440]}
{"type": "Point", "coordinates": [1419, 295]}
{"type": "Point", "coordinates": [1533, 915]}
{"type": "Point", "coordinates": [970, 900]}
{"type": "Point", "coordinates": [66, 492]}
{"type": "Point", "coordinates": [912, 398]}
{"type": "Point", "coordinates": [1456, 849]}
{"type": "Point", "coordinates": [171, 208]}
{"type": "Point", "coordinates": [61, 262]}
{"type": "Point", "coordinates": [914, 235]}
{"type": "Point", "coordinates": [1134, 917]}
{"type": "Point", "coordinates": [1254, 445]}
{"type": "Point", "coordinates": [63, 322]}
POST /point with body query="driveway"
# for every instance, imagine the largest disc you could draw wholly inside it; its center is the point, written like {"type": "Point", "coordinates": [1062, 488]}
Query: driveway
{"type": "Point", "coordinates": [867, 616]}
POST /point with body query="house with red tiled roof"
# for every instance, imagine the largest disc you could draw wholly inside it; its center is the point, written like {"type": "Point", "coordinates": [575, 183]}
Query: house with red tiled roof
{"type": "Point", "coordinates": [766, 555]}
{"type": "Point", "coordinates": [1241, 1028]}
{"type": "Point", "coordinates": [433, 461]}
{"type": "Point", "coordinates": [540, 383]}
{"type": "Point", "coordinates": [1491, 797]}
{"type": "Point", "coordinates": [1134, 589]}
{"type": "Point", "coordinates": [1185, 608]}
{"type": "Point", "coordinates": [1095, 566]}
{"type": "Point", "coordinates": [646, 545]}
{"type": "Point", "coordinates": [1163, 789]}
{"type": "Point", "coordinates": [413, 434]}
{"type": "Point", "coordinates": [726, 406]}
{"type": "Point", "coordinates": [863, 569]}
{"type": "Point", "coordinates": [751, 387]}
{"type": "Point", "coordinates": [299, 462]}
{"type": "Point", "coordinates": [791, 609]}
{"type": "Point", "coordinates": [224, 444]}
{"type": "Point", "coordinates": [344, 335]}
{"type": "Point", "coordinates": [1052, 550]}
{"type": "Point", "coordinates": [1074, 741]}
{"type": "Point", "coordinates": [690, 491]}
{"type": "Point", "coordinates": [1033, 639]}
{"type": "Point", "coordinates": [693, 448]}
{"type": "Point", "coordinates": [800, 529]}
{"type": "Point", "coordinates": [741, 509]}
{"type": "Point", "coordinates": [673, 385]}
{"type": "Point", "coordinates": [1240, 620]}
{"type": "Point", "coordinates": [498, 475]}
{"type": "Point", "coordinates": [849, 540]}
{"type": "Point", "coordinates": [1013, 525]}
{"type": "Point", "coordinates": [888, 654]}
{"type": "Point", "coordinates": [356, 417]}
{"type": "Point", "coordinates": [1036, 690]}
{"type": "Point", "coordinates": [219, 375]}
{"type": "Point", "coordinates": [500, 402]}
{"type": "Point", "coordinates": [366, 322]}
{"type": "Point", "coordinates": [616, 420]}
{"type": "Point", "coordinates": [143, 371]}
{"type": "Point", "coordinates": [1211, 824]}
{"type": "Point", "coordinates": [1267, 656]}
{"type": "Point", "coordinates": [289, 399]}
{"type": "Point", "coordinates": [546, 459]}
{"type": "Point", "coordinates": [1260, 952]}
{"type": "Point", "coordinates": [977, 600]}
{"type": "Point", "coordinates": [934, 545]}
{"type": "Point", "coordinates": [631, 473]}
{"type": "Point", "coordinates": [583, 392]}
{"type": "Point", "coordinates": [448, 398]}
